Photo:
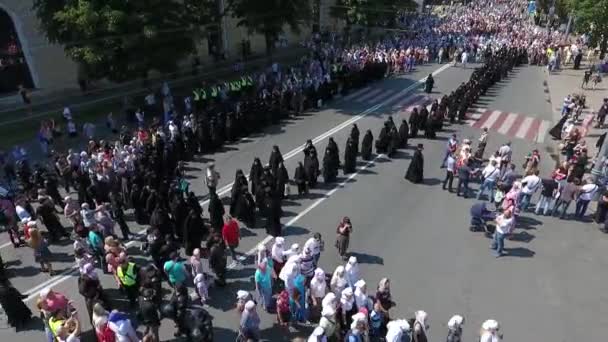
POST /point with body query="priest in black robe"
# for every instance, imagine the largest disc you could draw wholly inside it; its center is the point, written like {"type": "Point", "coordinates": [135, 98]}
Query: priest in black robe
{"type": "Point", "coordinates": [366, 145]}
{"type": "Point", "coordinates": [415, 172]}
{"type": "Point", "coordinates": [350, 157]}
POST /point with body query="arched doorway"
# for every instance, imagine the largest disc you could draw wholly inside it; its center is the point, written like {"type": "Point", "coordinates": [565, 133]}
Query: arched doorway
{"type": "Point", "coordinates": [14, 70]}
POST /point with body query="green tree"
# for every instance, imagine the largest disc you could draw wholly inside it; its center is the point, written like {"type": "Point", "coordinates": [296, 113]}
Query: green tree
{"type": "Point", "coordinates": [592, 17]}
{"type": "Point", "coordinates": [270, 17]}
{"type": "Point", "coordinates": [371, 12]}
{"type": "Point", "coordinates": [123, 39]}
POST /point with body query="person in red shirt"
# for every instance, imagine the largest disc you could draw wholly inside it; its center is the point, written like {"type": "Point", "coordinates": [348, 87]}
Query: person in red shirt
{"type": "Point", "coordinates": [231, 235]}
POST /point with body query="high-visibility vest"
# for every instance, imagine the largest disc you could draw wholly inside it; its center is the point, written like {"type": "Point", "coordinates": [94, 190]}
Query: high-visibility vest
{"type": "Point", "coordinates": [243, 82]}
{"type": "Point", "coordinates": [249, 81]}
{"type": "Point", "coordinates": [128, 278]}
{"type": "Point", "coordinates": [203, 94]}
{"type": "Point", "coordinates": [55, 324]}
{"type": "Point", "coordinates": [213, 92]}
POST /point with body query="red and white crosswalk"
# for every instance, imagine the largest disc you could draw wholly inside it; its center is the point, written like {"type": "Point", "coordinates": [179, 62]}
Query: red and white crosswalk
{"type": "Point", "coordinates": [513, 125]}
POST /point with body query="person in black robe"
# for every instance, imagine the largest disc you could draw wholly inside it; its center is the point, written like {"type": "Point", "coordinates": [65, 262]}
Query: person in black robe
{"type": "Point", "coordinates": [275, 159]}
{"type": "Point", "coordinates": [354, 135]}
{"type": "Point", "coordinates": [393, 143]}
{"type": "Point", "coordinates": [414, 122]}
{"type": "Point", "coordinates": [141, 216]}
{"type": "Point", "coordinates": [404, 132]}
{"type": "Point", "coordinates": [255, 174]}
{"type": "Point", "coordinates": [245, 208]}
{"type": "Point", "coordinates": [300, 179]}
{"type": "Point", "coordinates": [151, 202]}
{"type": "Point", "coordinates": [160, 220]}
{"type": "Point", "coordinates": [333, 148]}
{"type": "Point", "coordinates": [415, 172]}
{"type": "Point", "coordinates": [47, 214]}
{"type": "Point", "coordinates": [239, 181]}
{"type": "Point", "coordinates": [311, 165]}
{"type": "Point", "coordinates": [330, 166]}
{"type": "Point", "coordinates": [429, 83]}
{"type": "Point", "coordinates": [383, 139]}
{"type": "Point", "coordinates": [282, 179]}
{"type": "Point", "coordinates": [429, 130]}
{"type": "Point", "coordinates": [11, 300]}
{"type": "Point", "coordinates": [216, 212]}
{"type": "Point", "coordinates": [194, 231]}
{"type": "Point", "coordinates": [350, 157]}
{"type": "Point", "coordinates": [366, 145]}
{"type": "Point", "coordinates": [556, 131]}
{"type": "Point", "coordinates": [273, 216]}
{"type": "Point", "coordinates": [179, 211]}
{"type": "Point", "coordinates": [193, 203]}
{"type": "Point", "coordinates": [423, 118]}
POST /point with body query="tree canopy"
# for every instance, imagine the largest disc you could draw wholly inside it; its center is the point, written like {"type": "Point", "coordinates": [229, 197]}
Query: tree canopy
{"type": "Point", "coordinates": [371, 12]}
{"type": "Point", "coordinates": [270, 17]}
{"type": "Point", "coordinates": [124, 39]}
{"type": "Point", "coordinates": [592, 17]}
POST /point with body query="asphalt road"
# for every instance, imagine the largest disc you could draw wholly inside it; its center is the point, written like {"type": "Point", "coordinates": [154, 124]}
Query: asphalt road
{"type": "Point", "coordinates": [548, 287]}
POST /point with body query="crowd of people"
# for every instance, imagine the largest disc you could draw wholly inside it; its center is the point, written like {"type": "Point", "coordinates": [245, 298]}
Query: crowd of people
{"type": "Point", "coordinates": [144, 171]}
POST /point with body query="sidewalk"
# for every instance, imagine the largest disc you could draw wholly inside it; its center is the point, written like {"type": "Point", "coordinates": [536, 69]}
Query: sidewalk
{"type": "Point", "coordinates": [19, 128]}
{"type": "Point", "coordinates": [568, 81]}
{"type": "Point", "coordinates": [44, 103]}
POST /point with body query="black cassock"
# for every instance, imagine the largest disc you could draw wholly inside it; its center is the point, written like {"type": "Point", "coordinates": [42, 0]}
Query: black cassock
{"type": "Point", "coordinates": [366, 146]}
{"type": "Point", "coordinates": [194, 232]}
{"type": "Point", "coordinates": [415, 172]}
{"type": "Point", "coordinates": [556, 131]}
{"type": "Point", "coordinates": [216, 211]}
{"type": "Point", "coordinates": [354, 134]}
{"type": "Point", "coordinates": [350, 157]}
{"type": "Point", "coordinates": [404, 133]}
{"type": "Point", "coordinates": [16, 311]}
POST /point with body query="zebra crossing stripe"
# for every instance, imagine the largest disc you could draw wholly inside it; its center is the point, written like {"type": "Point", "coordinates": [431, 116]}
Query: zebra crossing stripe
{"type": "Point", "coordinates": [386, 95]}
{"type": "Point", "coordinates": [406, 101]}
{"type": "Point", "coordinates": [421, 102]}
{"type": "Point", "coordinates": [356, 94]}
{"type": "Point", "coordinates": [491, 119]}
{"type": "Point", "coordinates": [533, 130]}
{"type": "Point", "coordinates": [523, 129]}
{"type": "Point", "coordinates": [369, 95]}
{"type": "Point", "coordinates": [515, 127]}
{"type": "Point", "coordinates": [482, 119]}
{"type": "Point", "coordinates": [542, 131]}
{"type": "Point", "coordinates": [508, 122]}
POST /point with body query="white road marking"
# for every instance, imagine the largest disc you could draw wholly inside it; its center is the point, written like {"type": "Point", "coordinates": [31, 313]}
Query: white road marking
{"type": "Point", "coordinates": [492, 119]}
{"type": "Point", "coordinates": [33, 292]}
{"type": "Point", "coordinates": [356, 94]}
{"type": "Point", "coordinates": [268, 238]}
{"type": "Point", "coordinates": [368, 95]}
{"type": "Point", "coordinates": [542, 131]}
{"type": "Point", "coordinates": [525, 126]}
{"type": "Point", "coordinates": [506, 125]}
{"type": "Point", "coordinates": [384, 95]}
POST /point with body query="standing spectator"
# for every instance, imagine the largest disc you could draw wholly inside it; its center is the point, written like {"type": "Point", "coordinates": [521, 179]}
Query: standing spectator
{"type": "Point", "coordinates": [148, 313]}
{"type": "Point", "coordinates": [26, 97]}
{"type": "Point", "coordinates": [585, 195]}
{"type": "Point", "coordinates": [504, 227]}
{"type": "Point", "coordinates": [90, 288]}
{"type": "Point", "coordinates": [128, 276]}
{"type": "Point", "coordinates": [490, 176]}
{"type": "Point", "coordinates": [175, 270]}
{"type": "Point", "coordinates": [231, 236]}
{"type": "Point", "coordinates": [450, 162]}
{"type": "Point", "coordinates": [464, 175]}
{"type": "Point", "coordinates": [343, 231]}
{"type": "Point", "coordinates": [42, 254]}
{"type": "Point", "coordinates": [250, 322]}
{"type": "Point", "coordinates": [264, 276]}
{"type": "Point", "coordinates": [529, 184]}
{"type": "Point", "coordinates": [547, 194]}
{"type": "Point", "coordinates": [567, 194]}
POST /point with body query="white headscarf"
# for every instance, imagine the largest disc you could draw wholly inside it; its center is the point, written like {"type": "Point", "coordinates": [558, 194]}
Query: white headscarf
{"type": "Point", "coordinates": [358, 317]}
{"type": "Point", "coordinates": [347, 299]}
{"type": "Point", "coordinates": [455, 322]}
{"type": "Point", "coordinates": [278, 250]}
{"type": "Point", "coordinates": [290, 270]}
{"type": "Point", "coordinates": [338, 282]}
{"type": "Point", "coordinates": [421, 317]}
{"type": "Point", "coordinates": [361, 298]}
{"type": "Point", "coordinates": [490, 331]}
{"type": "Point", "coordinates": [352, 271]}
{"type": "Point", "coordinates": [318, 286]}
{"type": "Point", "coordinates": [293, 250]}
{"type": "Point", "coordinates": [396, 329]}
{"type": "Point", "coordinates": [329, 301]}
{"type": "Point", "coordinates": [261, 254]}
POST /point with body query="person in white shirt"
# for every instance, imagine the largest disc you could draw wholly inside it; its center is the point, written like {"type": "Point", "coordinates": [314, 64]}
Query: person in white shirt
{"type": "Point", "coordinates": [450, 163]}
{"type": "Point", "coordinates": [530, 184]}
{"type": "Point", "coordinates": [316, 245]}
{"type": "Point", "coordinates": [139, 115]}
{"type": "Point", "coordinates": [505, 152]}
{"type": "Point", "coordinates": [212, 178]}
{"type": "Point", "coordinates": [504, 227]}
{"type": "Point", "coordinates": [586, 194]}
{"type": "Point", "coordinates": [464, 58]}
{"type": "Point", "coordinates": [489, 332]}
{"type": "Point", "coordinates": [490, 176]}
